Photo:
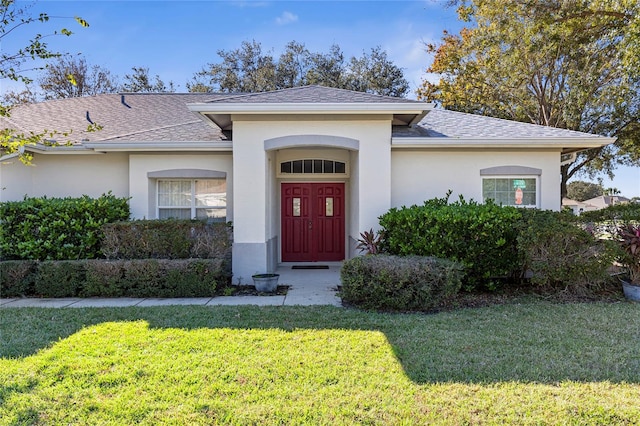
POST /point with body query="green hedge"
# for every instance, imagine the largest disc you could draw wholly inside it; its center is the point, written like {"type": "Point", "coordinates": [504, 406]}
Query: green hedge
{"type": "Point", "coordinates": [17, 278]}
{"type": "Point", "coordinates": [166, 239]}
{"type": "Point", "coordinates": [57, 228]}
{"type": "Point", "coordinates": [559, 254]}
{"type": "Point", "coordinates": [480, 236]}
{"type": "Point", "coordinates": [618, 212]}
{"type": "Point", "coordinates": [114, 278]}
{"type": "Point", "coordinates": [401, 283]}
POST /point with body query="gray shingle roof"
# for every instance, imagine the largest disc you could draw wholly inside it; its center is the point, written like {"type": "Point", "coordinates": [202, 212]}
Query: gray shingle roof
{"type": "Point", "coordinates": [165, 117]}
{"type": "Point", "coordinates": [459, 125]}
{"type": "Point", "coordinates": [311, 94]}
{"type": "Point", "coordinates": [124, 118]}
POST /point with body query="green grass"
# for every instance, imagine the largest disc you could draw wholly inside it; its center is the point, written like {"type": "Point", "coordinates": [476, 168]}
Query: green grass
{"type": "Point", "coordinates": [529, 363]}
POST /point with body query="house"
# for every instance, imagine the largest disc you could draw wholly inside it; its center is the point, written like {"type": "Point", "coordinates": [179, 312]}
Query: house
{"type": "Point", "coordinates": [577, 207]}
{"type": "Point", "coordinates": [604, 201]}
{"type": "Point", "coordinates": [300, 172]}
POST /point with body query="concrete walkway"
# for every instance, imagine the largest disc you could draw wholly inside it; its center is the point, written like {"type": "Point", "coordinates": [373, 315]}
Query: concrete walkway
{"type": "Point", "coordinates": [306, 287]}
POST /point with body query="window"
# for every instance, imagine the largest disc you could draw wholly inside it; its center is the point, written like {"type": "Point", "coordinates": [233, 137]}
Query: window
{"type": "Point", "coordinates": [511, 191]}
{"type": "Point", "coordinates": [313, 166]}
{"type": "Point", "coordinates": [193, 199]}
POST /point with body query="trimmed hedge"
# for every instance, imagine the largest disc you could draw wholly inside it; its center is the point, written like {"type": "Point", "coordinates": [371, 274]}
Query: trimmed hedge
{"type": "Point", "coordinates": [560, 255]}
{"type": "Point", "coordinates": [166, 239]}
{"type": "Point", "coordinates": [114, 278]}
{"type": "Point", "coordinates": [480, 236]}
{"type": "Point", "coordinates": [629, 212]}
{"type": "Point", "coordinates": [17, 277]}
{"type": "Point", "coordinates": [400, 283]}
{"type": "Point", "coordinates": [57, 228]}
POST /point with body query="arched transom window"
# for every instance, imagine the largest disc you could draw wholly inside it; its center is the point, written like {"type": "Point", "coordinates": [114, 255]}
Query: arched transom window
{"type": "Point", "coordinates": [313, 166]}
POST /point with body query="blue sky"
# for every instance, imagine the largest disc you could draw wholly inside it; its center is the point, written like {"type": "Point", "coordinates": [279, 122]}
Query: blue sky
{"type": "Point", "coordinates": [175, 39]}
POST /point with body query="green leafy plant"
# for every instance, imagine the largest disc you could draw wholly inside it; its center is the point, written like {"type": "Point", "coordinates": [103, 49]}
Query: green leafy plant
{"type": "Point", "coordinates": [480, 236]}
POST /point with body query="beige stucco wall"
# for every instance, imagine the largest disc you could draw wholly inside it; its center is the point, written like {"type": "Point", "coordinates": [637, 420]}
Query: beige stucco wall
{"type": "Point", "coordinates": [65, 175]}
{"type": "Point", "coordinates": [256, 191]}
{"type": "Point", "coordinates": [142, 189]}
{"type": "Point", "coordinates": [418, 175]}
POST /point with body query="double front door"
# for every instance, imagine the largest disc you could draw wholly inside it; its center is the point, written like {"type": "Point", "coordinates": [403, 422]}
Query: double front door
{"type": "Point", "coordinates": [313, 221]}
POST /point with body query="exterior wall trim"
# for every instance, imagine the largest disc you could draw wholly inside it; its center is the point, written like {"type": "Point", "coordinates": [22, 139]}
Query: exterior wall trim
{"type": "Point", "coordinates": [186, 174]}
{"type": "Point", "coordinates": [510, 170]}
{"type": "Point", "coordinates": [303, 141]}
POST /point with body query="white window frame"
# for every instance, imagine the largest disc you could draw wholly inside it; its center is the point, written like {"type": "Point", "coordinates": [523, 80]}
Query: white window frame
{"type": "Point", "coordinates": [193, 207]}
{"type": "Point", "coordinates": [537, 179]}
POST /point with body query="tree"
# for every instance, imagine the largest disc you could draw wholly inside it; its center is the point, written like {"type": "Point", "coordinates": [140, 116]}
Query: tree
{"type": "Point", "coordinates": [570, 64]}
{"type": "Point", "coordinates": [580, 190]}
{"type": "Point", "coordinates": [375, 73]}
{"type": "Point", "coordinates": [140, 81]}
{"type": "Point", "coordinates": [70, 77]}
{"type": "Point", "coordinates": [13, 63]}
{"type": "Point", "coordinates": [247, 69]}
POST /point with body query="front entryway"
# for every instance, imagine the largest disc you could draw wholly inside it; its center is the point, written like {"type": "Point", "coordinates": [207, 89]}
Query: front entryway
{"type": "Point", "coordinates": [313, 222]}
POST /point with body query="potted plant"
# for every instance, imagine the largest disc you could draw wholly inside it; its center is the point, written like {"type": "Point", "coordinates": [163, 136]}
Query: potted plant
{"type": "Point", "coordinates": [629, 241]}
{"type": "Point", "coordinates": [266, 282]}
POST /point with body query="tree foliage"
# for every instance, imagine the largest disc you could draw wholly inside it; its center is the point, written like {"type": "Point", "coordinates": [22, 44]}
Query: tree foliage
{"type": "Point", "coordinates": [70, 77]}
{"type": "Point", "coordinates": [573, 64]}
{"type": "Point", "coordinates": [249, 69]}
{"type": "Point", "coordinates": [141, 81]}
{"type": "Point", "coordinates": [580, 190]}
{"type": "Point", "coordinates": [13, 64]}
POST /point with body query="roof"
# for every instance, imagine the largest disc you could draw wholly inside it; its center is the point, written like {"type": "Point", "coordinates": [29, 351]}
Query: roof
{"type": "Point", "coordinates": [460, 125]}
{"type": "Point", "coordinates": [164, 118]}
{"type": "Point", "coordinates": [606, 200]}
{"type": "Point", "coordinates": [132, 117]}
{"type": "Point", "coordinates": [311, 95]}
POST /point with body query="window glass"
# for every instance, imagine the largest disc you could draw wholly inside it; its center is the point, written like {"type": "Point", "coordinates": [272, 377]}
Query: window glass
{"type": "Point", "coordinates": [192, 198]}
{"type": "Point", "coordinates": [314, 166]}
{"type": "Point", "coordinates": [511, 191]}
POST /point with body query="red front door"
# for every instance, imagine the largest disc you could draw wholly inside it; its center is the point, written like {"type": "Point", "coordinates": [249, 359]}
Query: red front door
{"type": "Point", "coordinates": [312, 222]}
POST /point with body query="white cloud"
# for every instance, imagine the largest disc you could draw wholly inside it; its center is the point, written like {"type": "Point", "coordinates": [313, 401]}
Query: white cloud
{"type": "Point", "coordinates": [286, 18]}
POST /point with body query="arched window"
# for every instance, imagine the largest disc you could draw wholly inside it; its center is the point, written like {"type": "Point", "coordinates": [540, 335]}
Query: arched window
{"type": "Point", "coordinates": [313, 166]}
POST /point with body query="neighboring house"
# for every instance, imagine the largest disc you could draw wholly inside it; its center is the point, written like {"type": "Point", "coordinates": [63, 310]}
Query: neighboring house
{"type": "Point", "coordinates": [606, 200]}
{"type": "Point", "coordinates": [577, 207]}
{"type": "Point", "coordinates": [300, 171]}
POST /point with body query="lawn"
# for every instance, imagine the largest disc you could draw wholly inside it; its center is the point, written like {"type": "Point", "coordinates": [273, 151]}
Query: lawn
{"type": "Point", "coordinates": [529, 363]}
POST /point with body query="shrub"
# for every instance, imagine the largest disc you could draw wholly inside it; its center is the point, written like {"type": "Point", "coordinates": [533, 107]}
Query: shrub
{"type": "Point", "coordinates": [166, 239]}
{"type": "Point", "coordinates": [57, 228]}
{"type": "Point", "coordinates": [62, 278]}
{"type": "Point", "coordinates": [618, 212]}
{"type": "Point", "coordinates": [103, 278]}
{"type": "Point", "coordinates": [480, 236]}
{"type": "Point", "coordinates": [16, 278]}
{"type": "Point", "coordinates": [561, 255]}
{"type": "Point", "coordinates": [410, 283]}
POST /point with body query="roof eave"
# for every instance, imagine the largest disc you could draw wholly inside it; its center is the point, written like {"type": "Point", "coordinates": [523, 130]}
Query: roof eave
{"type": "Point", "coordinates": [567, 144]}
{"type": "Point", "coordinates": [160, 146]}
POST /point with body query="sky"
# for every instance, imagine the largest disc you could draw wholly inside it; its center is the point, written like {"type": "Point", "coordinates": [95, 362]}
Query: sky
{"type": "Point", "coordinates": [176, 39]}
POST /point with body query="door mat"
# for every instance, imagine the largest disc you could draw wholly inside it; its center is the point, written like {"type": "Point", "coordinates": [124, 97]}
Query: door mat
{"type": "Point", "coordinates": [310, 267]}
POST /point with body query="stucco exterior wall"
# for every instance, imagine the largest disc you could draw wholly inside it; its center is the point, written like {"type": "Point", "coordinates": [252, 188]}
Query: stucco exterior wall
{"type": "Point", "coordinates": [65, 175]}
{"type": "Point", "coordinates": [256, 192]}
{"type": "Point", "coordinates": [142, 189]}
{"type": "Point", "coordinates": [418, 175]}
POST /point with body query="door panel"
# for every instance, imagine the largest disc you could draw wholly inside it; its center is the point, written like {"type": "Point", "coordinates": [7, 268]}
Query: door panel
{"type": "Point", "coordinates": [315, 230]}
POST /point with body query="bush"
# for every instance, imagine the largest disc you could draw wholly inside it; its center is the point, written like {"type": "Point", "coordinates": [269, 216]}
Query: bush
{"type": "Point", "coordinates": [618, 212]}
{"type": "Point", "coordinates": [57, 228]}
{"type": "Point", "coordinates": [61, 278]}
{"type": "Point", "coordinates": [16, 278]}
{"type": "Point", "coordinates": [480, 236]}
{"type": "Point", "coordinates": [166, 239]}
{"type": "Point", "coordinates": [103, 278]}
{"type": "Point", "coordinates": [559, 254]}
{"type": "Point", "coordinates": [410, 283]}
